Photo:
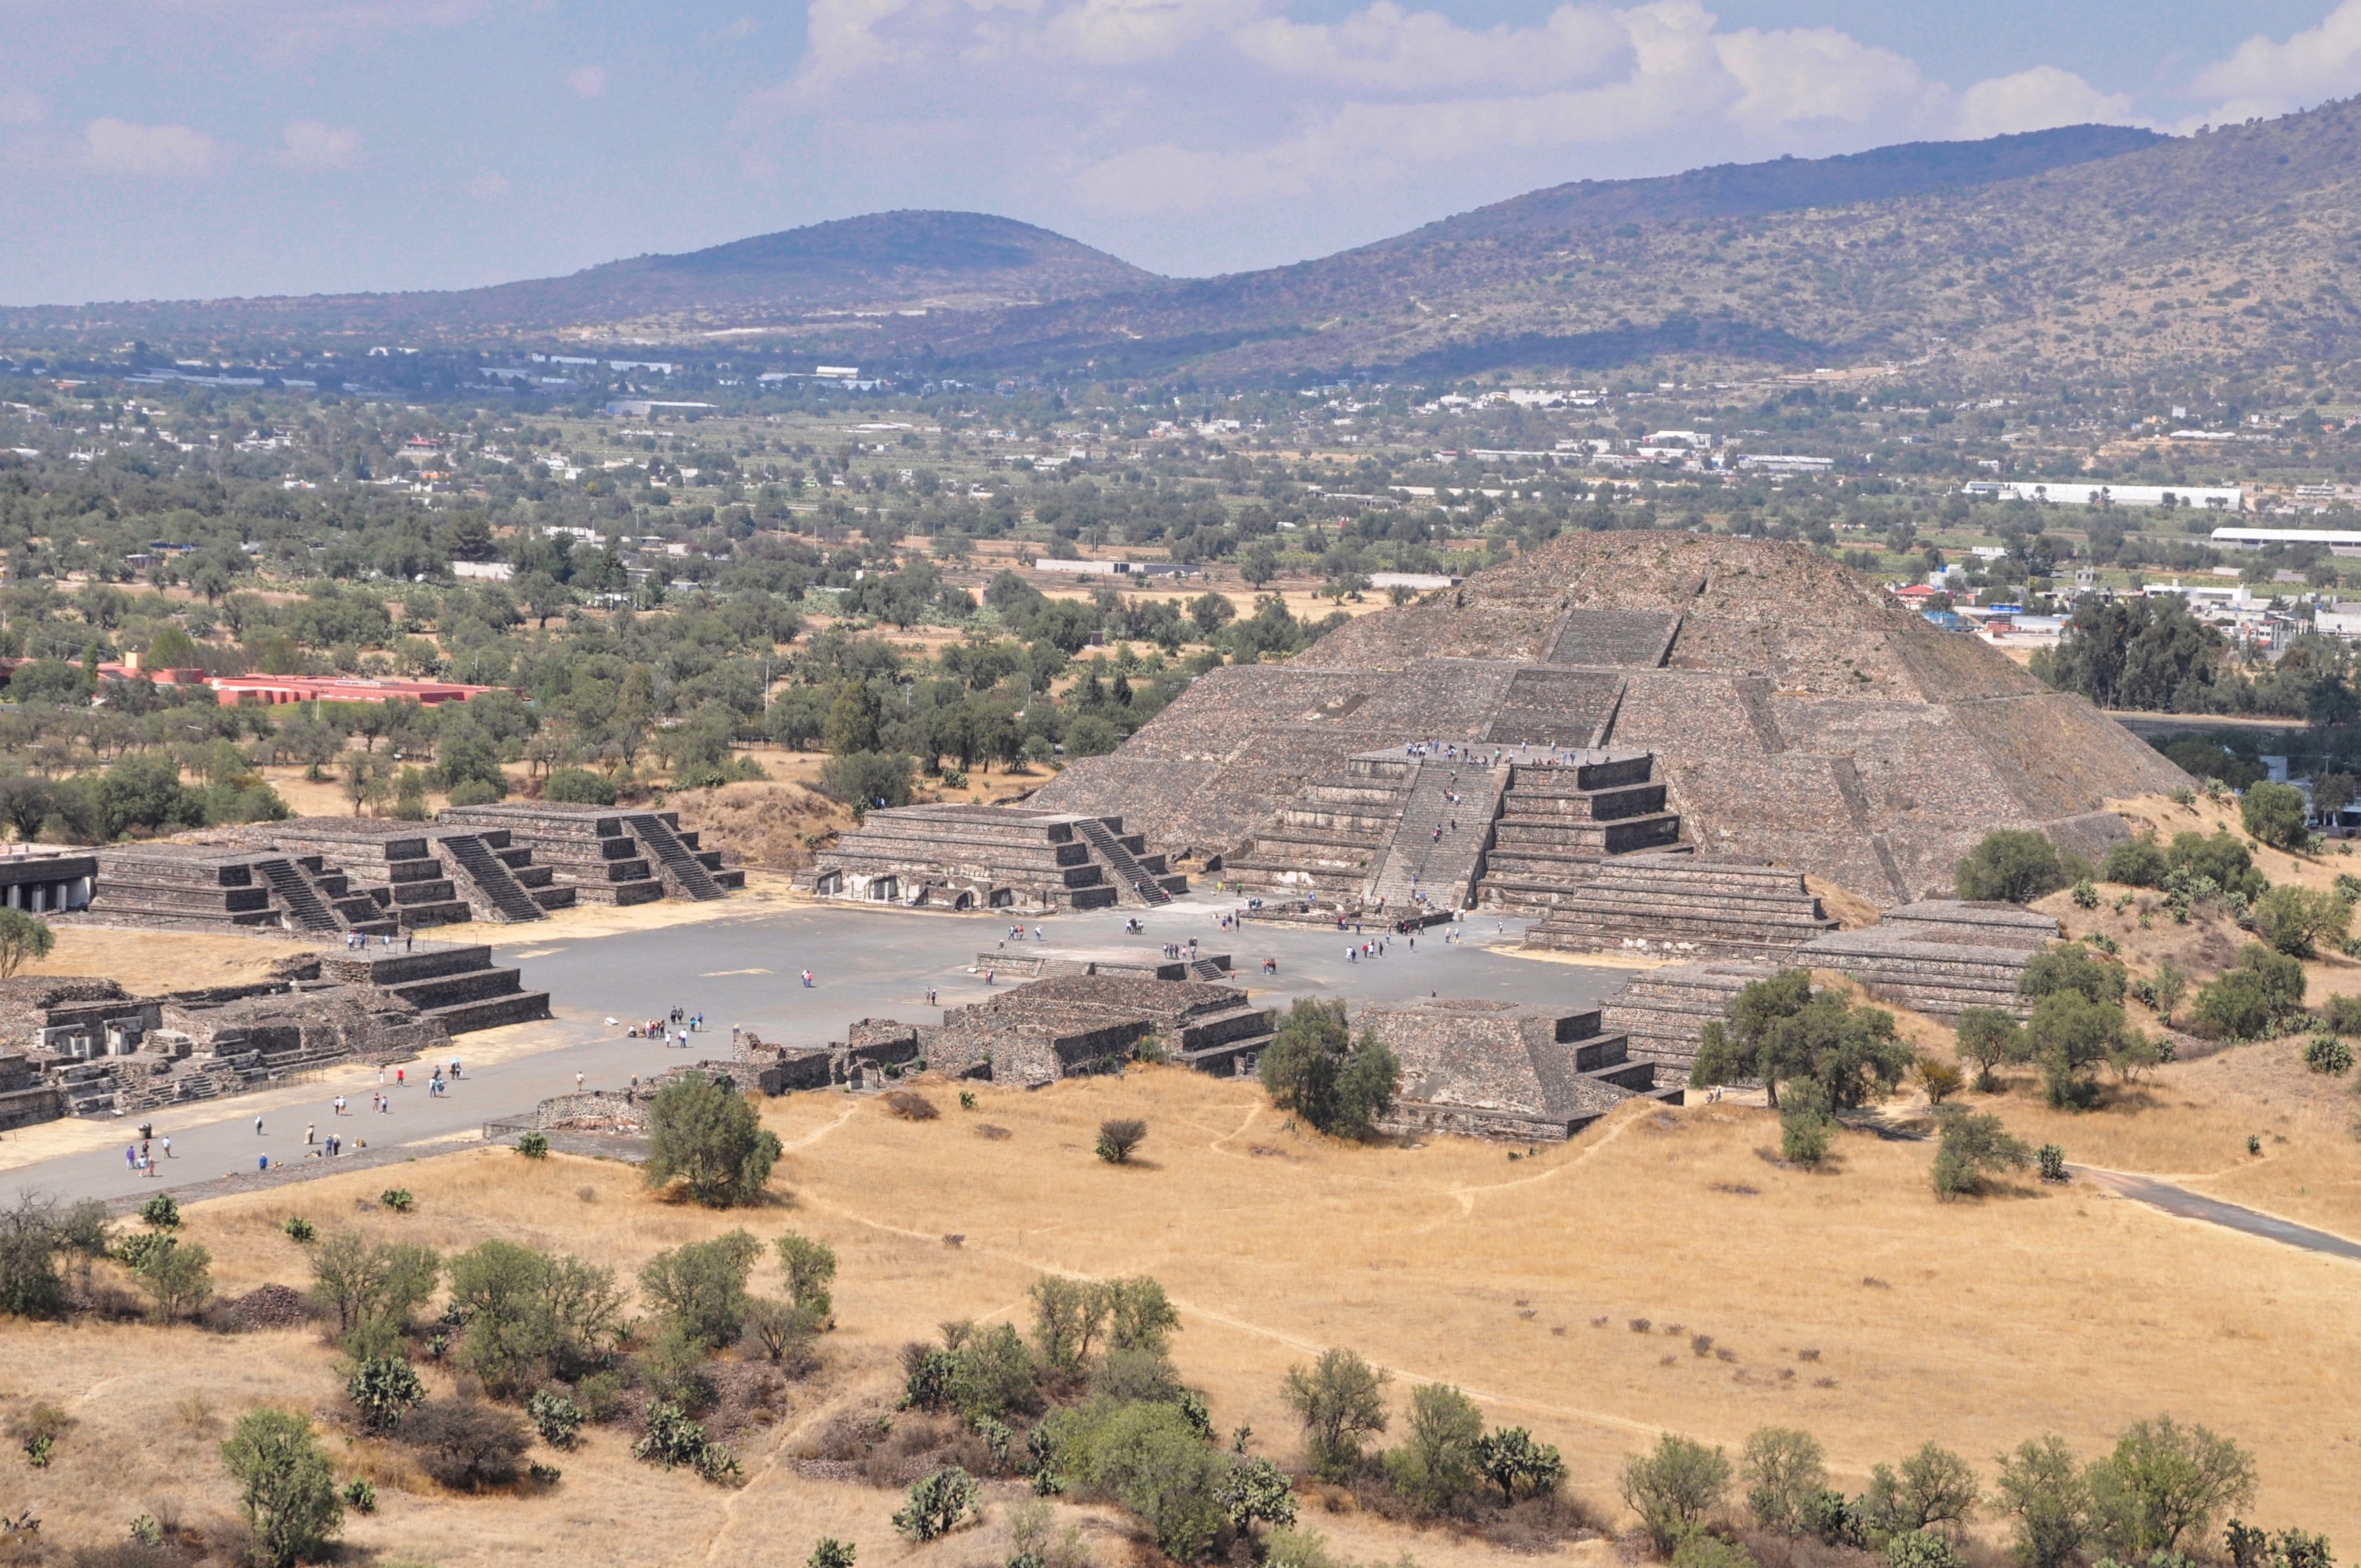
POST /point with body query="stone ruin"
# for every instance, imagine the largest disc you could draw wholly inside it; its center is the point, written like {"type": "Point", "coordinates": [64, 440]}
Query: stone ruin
{"type": "Point", "coordinates": [1038, 960]}
{"type": "Point", "coordinates": [316, 876]}
{"type": "Point", "coordinates": [989, 857]}
{"type": "Point", "coordinates": [85, 1046]}
{"type": "Point", "coordinates": [1792, 714]}
{"type": "Point", "coordinates": [1048, 1029]}
{"type": "Point", "coordinates": [1496, 1069]}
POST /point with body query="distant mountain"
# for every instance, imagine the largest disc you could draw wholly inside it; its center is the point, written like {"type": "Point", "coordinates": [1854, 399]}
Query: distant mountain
{"type": "Point", "coordinates": [2089, 252]}
{"type": "Point", "coordinates": [1789, 184]}
{"type": "Point", "coordinates": [886, 263]}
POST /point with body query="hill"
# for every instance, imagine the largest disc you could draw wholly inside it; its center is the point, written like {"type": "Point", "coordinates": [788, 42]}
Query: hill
{"type": "Point", "coordinates": [918, 261]}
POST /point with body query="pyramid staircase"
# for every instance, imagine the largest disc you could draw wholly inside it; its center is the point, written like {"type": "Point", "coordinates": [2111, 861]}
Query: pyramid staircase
{"type": "Point", "coordinates": [1682, 906]}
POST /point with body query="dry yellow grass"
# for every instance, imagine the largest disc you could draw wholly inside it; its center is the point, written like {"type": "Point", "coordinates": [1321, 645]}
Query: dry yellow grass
{"type": "Point", "coordinates": [1976, 1324]}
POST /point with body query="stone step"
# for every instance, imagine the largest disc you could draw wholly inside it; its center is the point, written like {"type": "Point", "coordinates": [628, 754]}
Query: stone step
{"type": "Point", "coordinates": [519, 1007]}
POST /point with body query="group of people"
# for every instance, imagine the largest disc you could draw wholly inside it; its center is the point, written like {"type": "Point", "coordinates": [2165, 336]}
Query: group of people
{"type": "Point", "coordinates": [139, 1158]}
{"type": "Point", "coordinates": [358, 940]}
{"type": "Point", "coordinates": [674, 1029]}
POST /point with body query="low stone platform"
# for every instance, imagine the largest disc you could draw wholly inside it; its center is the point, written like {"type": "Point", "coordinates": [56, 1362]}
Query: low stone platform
{"type": "Point", "coordinates": [1664, 1012]}
{"type": "Point", "coordinates": [452, 984]}
{"type": "Point", "coordinates": [990, 857]}
{"type": "Point", "coordinates": [1684, 905]}
{"type": "Point", "coordinates": [1496, 1069]}
{"type": "Point", "coordinates": [1035, 960]}
{"type": "Point", "coordinates": [1940, 955]}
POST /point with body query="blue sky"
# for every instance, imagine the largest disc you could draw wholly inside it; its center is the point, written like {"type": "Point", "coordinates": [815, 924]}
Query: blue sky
{"type": "Point", "coordinates": [197, 148]}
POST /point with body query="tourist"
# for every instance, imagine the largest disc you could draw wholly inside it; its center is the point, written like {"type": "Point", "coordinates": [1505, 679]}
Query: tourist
{"type": "Point", "coordinates": [337, 1106]}
{"type": "Point", "coordinates": [577, 1083]}
{"type": "Point", "coordinates": [167, 1141]}
{"type": "Point", "coordinates": [309, 1139]}
{"type": "Point", "coordinates": [257, 1127]}
{"type": "Point", "coordinates": [131, 1156]}
{"type": "Point", "coordinates": [402, 1078]}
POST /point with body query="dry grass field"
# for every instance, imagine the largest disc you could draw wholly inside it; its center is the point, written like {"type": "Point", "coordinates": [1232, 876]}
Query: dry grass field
{"type": "Point", "coordinates": [1564, 1292]}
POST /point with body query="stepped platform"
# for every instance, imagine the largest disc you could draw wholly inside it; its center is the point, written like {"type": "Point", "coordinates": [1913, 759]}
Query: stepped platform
{"type": "Point", "coordinates": [1662, 1012]}
{"type": "Point", "coordinates": [1559, 821]}
{"type": "Point", "coordinates": [1067, 1024]}
{"type": "Point", "coordinates": [1939, 956]}
{"type": "Point", "coordinates": [990, 857]}
{"type": "Point", "coordinates": [1668, 904]}
{"type": "Point", "coordinates": [1035, 960]}
{"type": "Point", "coordinates": [454, 985]}
{"type": "Point", "coordinates": [1496, 1069]}
{"type": "Point", "coordinates": [597, 854]}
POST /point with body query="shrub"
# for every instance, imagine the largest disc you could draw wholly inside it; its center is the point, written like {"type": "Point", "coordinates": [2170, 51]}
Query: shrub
{"type": "Point", "coordinates": [1152, 1459]}
{"type": "Point", "coordinates": [37, 1430]}
{"type": "Point", "coordinates": [530, 1315]}
{"type": "Point", "coordinates": [1339, 1401]}
{"type": "Point", "coordinates": [24, 938]}
{"type": "Point", "coordinates": [1922, 1549]}
{"type": "Point", "coordinates": [1703, 1548]}
{"type": "Point", "coordinates": [2053, 1161]}
{"type": "Point", "coordinates": [1436, 1467]}
{"type": "Point", "coordinates": [1119, 1137]}
{"type": "Point", "coordinates": [1315, 1068]}
{"type": "Point", "coordinates": [2221, 858]}
{"type": "Point", "coordinates": [1805, 1127]}
{"type": "Point", "coordinates": [2248, 1001]}
{"type": "Point", "coordinates": [383, 1390]}
{"type": "Point", "coordinates": [2010, 866]}
{"type": "Point", "coordinates": [2086, 893]}
{"type": "Point", "coordinates": [1675, 1487]}
{"type": "Point", "coordinates": [161, 1213]}
{"type": "Point", "coordinates": [357, 1279]}
{"type": "Point", "coordinates": [701, 1286]}
{"type": "Point", "coordinates": [466, 1444]}
{"type": "Point", "coordinates": [2134, 863]}
{"type": "Point", "coordinates": [177, 1275]}
{"type": "Point", "coordinates": [938, 1505]}
{"type": "Point", "coordinates": [2164, 1483]}
{"type": "Point", "coordinates": [2341, 1014]}
{"type": "Point", "coordinates": [2299, 920]}
{"type": "Point", "coordinates": [867, 779]}
{"type": "Point", "coordinates": [301, 1230]}
{"type": "Point", "coordinates": [703, 1133]}
{"type": "Point", "coordinates": [829, 1553]}
{"type": "Point", "coordinates": [1784, 1470]}
{"type": "Point", "coordinates": [1512, 1461]}
{"type": "Point", "coordinates": [2276, 813]}
{"type": "Point", "coordinates": [286, 1488]}
{"type": "Point", "coordinates": [361, 1496]}
{"type": "Point", "coordinates": [809, 1267]}
{"type": "Point", "coordinates": [34, 1233]}
{"type": "Point", "coordinates": [1987, 1037]}
{"type": "Point", "coordinates": [533, 1146]}
{"type": "Point", "coordinates": [780, 1328]}
{"type": "Point", "coordinates": [1256, 1491]}
{"type": "Point", "coordinates": [577, 786]}
{"type": "Point", "coordinates": [478, 792]}
{"type": "Point", "coordinates": [2329, 1055]}
{"type": "Point", "coordinates": [397, 1199]}
{"type": "Point", "coordinates": [554, 1417]}
{"type": "Point", "coordinates": [670, 1438]}
{"type": "Point", "coordinates": [1974, 1145]}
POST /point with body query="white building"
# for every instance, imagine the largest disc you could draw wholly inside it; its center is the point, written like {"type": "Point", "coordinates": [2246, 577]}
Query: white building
{"type": "Point", "coordinates": [2053, 492]}
{"type": "Point", "coordinates": [2338, 541]}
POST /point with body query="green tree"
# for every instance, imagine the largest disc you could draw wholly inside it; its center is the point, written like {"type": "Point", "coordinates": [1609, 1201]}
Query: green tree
{"type": "Point", "coordinates": [853, 719]}
{"type": "Point", "coordinates": [2276, 815]}
{"type": "Point", "coordinates": [1150, 1459]}
{"type": "Point", "coordinates": [2011, 866]}
{"type": "Point", "coordinates": [2250, 999]}
{"type": "Point", "coordinates": [1674, 1488]}
{"type": "Point", "coordinates": [704, 1133]}
{"type": "Point", "coordinates": [2048, 1505]}
{"type": "Point", "coordinates": [2300, 920]}
{"type": "Point", "coordinates": [1784, 1470]}
{"type": "Point", "coordinates": [810, 1269]}
{"type": "Point", "coordinates": [24, 938]}
{"type": "Point", "coordinates": [1435, 1467]}
{"type": "Point", "coordinates": [1932, 1489]}
{"type": "Point", "coordinates": [530, 1315]}
{"type": "Point", "coordinates": [867, 779]}
{"type": "Point", "coordinates": [2164, 1485]}
{"type": "Point", "coordinates": [1140, 1317]}
{"type": "Point", "coordinates": [1315, 1068]}
{"type": "Point", "coordinates": [1987, 1037]}
{"type": "Point", "coordinates": [1068, 1316]}
{"type": "Point", "coordinates": [1340, 1400]}
{"type": "Point", "coordinates": [287, 1487]}
{"type": "Point", "coordinates": [177, 1277]}
{"type": "Point", "coordinates": [701, 1286]}
{"type": "Point", "coordinates": [1973, 1145]}
{"type": "Point", "coordinates": [1779, 1029]}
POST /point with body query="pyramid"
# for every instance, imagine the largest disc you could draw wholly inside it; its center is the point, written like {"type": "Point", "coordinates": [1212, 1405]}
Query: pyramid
{"type": "Point", "coordinates": [1797, 715]}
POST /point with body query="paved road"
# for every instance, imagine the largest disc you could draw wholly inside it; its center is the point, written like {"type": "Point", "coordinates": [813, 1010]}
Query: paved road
{"type": "Point", "coordinates": [2182, 1203]}
{"type": "Point", "coordinates": [746, 970]}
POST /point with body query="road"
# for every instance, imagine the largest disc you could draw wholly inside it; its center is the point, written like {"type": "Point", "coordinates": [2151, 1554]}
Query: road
{"type": "Point", "coordinates": [746, 972]}
{"type": "Point", "coordinates": [2187, 1205]}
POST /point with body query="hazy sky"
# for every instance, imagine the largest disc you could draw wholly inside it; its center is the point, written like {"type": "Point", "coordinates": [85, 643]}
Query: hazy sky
{"type": "Point", "coordinates": [186, 147]}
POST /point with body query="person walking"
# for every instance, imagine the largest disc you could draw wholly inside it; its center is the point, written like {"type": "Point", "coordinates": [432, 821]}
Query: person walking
{"type": "Point", "coordinates": [257, 1127]}
{"type": "Point", "coordinates": [577, 1083]}
{"type": "Point", "coordinates": [167, 1145]}
{"type": "Point", "coordinates": [309, 1139]}
{"type": "Point", "coordinates": [402, 1078]}
{"type": "Point", "coordinates": [131, 1157]}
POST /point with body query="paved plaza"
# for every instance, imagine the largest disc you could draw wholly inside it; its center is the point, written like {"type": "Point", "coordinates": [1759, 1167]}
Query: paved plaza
{"type": "Point", "coordinates": [747, 971]}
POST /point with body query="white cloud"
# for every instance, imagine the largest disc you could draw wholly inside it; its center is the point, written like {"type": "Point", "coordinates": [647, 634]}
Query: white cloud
{"type": "Point", "coordinates": [2266, 78]}
{"type": "Point", "coordinates": [2037, 100]}
{"type": "Point", "coordinates": [1139, 106]}
{"type": "Point", "coordinates": [313, 144]}
{"type": "Point", "coordinates": [120, 146]}
{"type": "Point", "coordinates": [488, 186]}
{"type": "Point", "coordinates": [21, 108]}
{"type": "Point", "coordinates": [587, 81]}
